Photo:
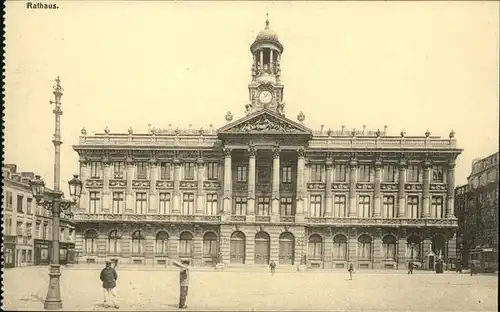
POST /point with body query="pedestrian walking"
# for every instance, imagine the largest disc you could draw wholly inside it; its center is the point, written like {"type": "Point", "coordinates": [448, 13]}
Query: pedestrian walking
{"type": "Point", "coordinates": [472, 268]}
{"type": "Point", "coordinates": [272, 265]}
{"type": "Point", "coordinates": [459, 268]}
{"type": "Point", "coordinates": [410, 267]}
{"type": "Point", "coordinates": [183, 281]}
{"type": "Point", "coordinates": [108, 279]}
{"type": "Point", "coordinates": [350, 270]}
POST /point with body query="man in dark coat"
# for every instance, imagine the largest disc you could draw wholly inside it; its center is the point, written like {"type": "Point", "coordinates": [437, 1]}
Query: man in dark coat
{"type": "Point", "coordinates": [183, 281]}
{"type": "Point", "coordinates": [272, 266]}
{"type": "Point", "coordinates": [108, 279]}
{"type": "Point", "coordinates": [410, 267]}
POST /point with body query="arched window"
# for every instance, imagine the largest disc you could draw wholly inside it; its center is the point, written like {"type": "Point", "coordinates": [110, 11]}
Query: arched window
{"type": "Point", "coordinates": [113, 242]}
{"type": "Point", "coordinates": [185, 244]}
{"type": "Point", "coordinates": [439, 246]}
{"type": "Point", "coordinates": [340, 247]}
{"type": "Point", "coordinates": [137, 243]}
{"type": "Point", "coordinates": [161, 243]}
{"type": "Point", "coordinates": [210, 245]}
{"type": "Point", "coordinates": [315, 247]}
{"type": "Point", "coordinates": [90, 242]}
{"type": "Point", "coordinates": [389, 247]}
{"type": "Point", "coordinates": [413, 248]}
{"type": "Point", "coordinates": [364, 247]}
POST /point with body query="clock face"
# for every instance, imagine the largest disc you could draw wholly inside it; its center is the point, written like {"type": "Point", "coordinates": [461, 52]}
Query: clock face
{"type": "Point", "coordinates": [265, 97]}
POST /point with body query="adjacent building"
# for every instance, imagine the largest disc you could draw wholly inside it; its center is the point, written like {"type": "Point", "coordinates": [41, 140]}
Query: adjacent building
{"type": "Point", "coordinates": [27, 227]}
{"type": "Point", "coordinates": [477, 209]}
{"type": "Point", "coordinates": [265, 187]}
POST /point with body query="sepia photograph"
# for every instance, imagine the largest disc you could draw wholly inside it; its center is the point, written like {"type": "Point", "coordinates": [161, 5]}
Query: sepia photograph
{"type": "Point", "coordinates": [250, 155]}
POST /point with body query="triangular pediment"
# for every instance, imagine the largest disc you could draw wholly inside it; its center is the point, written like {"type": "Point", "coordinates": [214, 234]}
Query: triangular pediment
{"type": "Point", "coordinates": [264, 122]}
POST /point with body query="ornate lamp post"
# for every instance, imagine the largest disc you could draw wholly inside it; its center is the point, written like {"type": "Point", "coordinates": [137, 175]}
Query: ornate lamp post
{"type": "Point", "coordinates": [54, 202]}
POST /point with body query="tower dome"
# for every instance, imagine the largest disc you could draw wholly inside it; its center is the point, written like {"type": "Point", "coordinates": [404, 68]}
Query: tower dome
{"type": "Point", "coordinates": [267, 37]}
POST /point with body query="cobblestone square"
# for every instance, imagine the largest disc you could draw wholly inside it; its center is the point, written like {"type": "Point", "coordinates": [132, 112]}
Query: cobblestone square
{"type": "Point", "coordinates": [25, 289]}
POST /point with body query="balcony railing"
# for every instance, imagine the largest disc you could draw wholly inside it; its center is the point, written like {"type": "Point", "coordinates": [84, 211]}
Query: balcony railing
{"type": "Point", "coordinates": [262, 218]}
{"type": "Point", "coordinates": [287, 219]}
{"type": "Point", "coordinates": [149, 218]}
{"type": "Point", "coordinates": [382, 222]}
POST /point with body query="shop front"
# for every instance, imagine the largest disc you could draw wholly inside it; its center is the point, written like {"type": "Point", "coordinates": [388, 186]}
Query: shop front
{"type": "Point", "coordinates": [9, 251]}
{"type": "Point", "coordinates": [42, 252]}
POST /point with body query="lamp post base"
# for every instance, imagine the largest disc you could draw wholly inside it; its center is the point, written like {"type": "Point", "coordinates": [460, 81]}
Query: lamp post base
{"type": "Point", "coordinates": [53, 300]}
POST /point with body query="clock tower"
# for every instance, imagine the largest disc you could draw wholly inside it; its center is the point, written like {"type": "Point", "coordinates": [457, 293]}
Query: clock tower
{"type": "Point", "coordinates": [265, 89]}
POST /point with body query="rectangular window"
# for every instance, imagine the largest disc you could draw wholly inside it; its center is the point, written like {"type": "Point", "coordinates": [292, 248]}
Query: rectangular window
{"type": "Point", "coordinates": [364, 206]}
{"type": "Point", "coordinates": [264, 173]}
{"type": "Point", "coordinates": [316, 170]}
{"type": "Point", "coordinates": [29, 205]}
{"type": "Point", "coordinates": [95, 169]}
{"type": "Point", "coordinates": [212, 201]}
{"type": "Point", "coordinates": [241, 174]}
{"type": "Point", "coordinates": [340, 206]}
{"type": "Point", "coordinates": [286, 174]}
{"type": "Point", "coordinates": [437, 174]}
{"type": "Point", "coordinates": [29, 230]}
{"type": "Point", "coordinates": [165, 171]}
{"type": "Point", "coordinates": [189, 171]}
{"type": "Point", "coordinates": [94, 202]}
{"type": "Point", "coordinates": [188, 204]}
{"type": "Point", "coordinates": [38, 229]}
{"type": "Point", "coordinates": [20, 199]}
{"type": "Point", "coordinates": [212, 171]}
{"type": "Point", "coordinates": [263, 205]}
{"type": "Point", "coordinates": [364, 173]}
{"type": "Point", "coordinates": [389, 173]}
{"type": "Point", "coordinates": [19, 229]}
{"type": "Point", "coordinates": [240, 206]}
{"type": "Point", "coordinates": [315, 206]}
{"type": "Point", "coordinates": [164, 208]}
{"type": "Point", "coordinates": [286, 206]}
{"type": "Point", "coordinates": [118, 168]}
{"type": "Point", "coordinates": [437, 210]}
{"type": "Point", "coordinates": [142, 171]}
{"type": "Point", "coordinates": [45, 232]}
{"type": "Point", "coordinates": [340, 173]}
{"type": "Point", "coordinates": [413, 207]}
{"type": "Point", "coordinates": [388, 211]}
{"type": "Point", "coordinates": [8, 202]}
{"type": "Point", "coordinates": [413, 174]}
{"type": "Point", "coordinates": [141, 202]}
{"type": "Point", "coordinates": [117, 207]}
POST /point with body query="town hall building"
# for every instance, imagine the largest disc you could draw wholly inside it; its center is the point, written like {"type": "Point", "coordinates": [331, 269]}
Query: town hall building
{"type": "Point", "coordinates": [265, 187]}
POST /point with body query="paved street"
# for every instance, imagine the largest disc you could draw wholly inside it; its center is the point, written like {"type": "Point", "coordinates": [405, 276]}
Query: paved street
{"type": "Point", "coordinates": [25, 289]}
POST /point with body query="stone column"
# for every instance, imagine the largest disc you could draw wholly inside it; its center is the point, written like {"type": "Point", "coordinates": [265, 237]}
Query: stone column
{"type": "Point", "coordinates": [401, 249]}
{"type": "Point", "coordinates": [450, 181]}
{"type": "Point", "coordinates": [176, 203]}
{"type": "Point", "coordinates": [200, 194]}
{"type": "Point", "coordinates": [426, 190]}
{"type": "Point", "coordinates": [84, 176]}
{"type": "Point", "coordinates": [275, 208]}
{"type": "Point", "coordinates": [105, 207]}
{"type": "Point", "coordinates": [353, 211]}
{"type": "Point", "coordinates": [228, 183]}
{"type": "Point", "coordinates": [377, 194]}
{"type": "Point", "coordinates": [261, 59]}
{"type": "Point", "coordinates": [129, 204]}
{"type": "Point", "coordinates": [153, 195]}
{"type": "Point", "coordinates": [377, 249]}
{"type": "Point", "coordinates": [251, 185]}
{"type": "Point", "coordinates": [300, 194]}
{"type": "Point", "coordinates": [198, 246]}
{"type": "Point", "coordinates": [401, 190]}
{"type": "Point", "coordinates": [271, 58]}
{"type": "Point", "coordinates": [328, 187]}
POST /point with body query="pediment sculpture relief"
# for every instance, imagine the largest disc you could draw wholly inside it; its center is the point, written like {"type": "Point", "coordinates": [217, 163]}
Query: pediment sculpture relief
{"type": "Point", "coordinates": [265, 124]}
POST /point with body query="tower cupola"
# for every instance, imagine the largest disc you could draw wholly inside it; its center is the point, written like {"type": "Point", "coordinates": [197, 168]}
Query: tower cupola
{"type": "Point", "coordinates": [265, 88]}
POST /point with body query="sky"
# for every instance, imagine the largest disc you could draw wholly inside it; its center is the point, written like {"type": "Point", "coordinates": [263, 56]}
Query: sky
{"type": "Point", "coordinates": [415, 66]}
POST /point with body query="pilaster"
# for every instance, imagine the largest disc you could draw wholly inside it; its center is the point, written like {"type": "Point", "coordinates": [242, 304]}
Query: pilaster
{"type": "Point", "coordinates": [353, 246]}
{"type": "Point", "coordinates": [129, 205]}
{"type": "Point", "coordinates": [377, 194]}
{"type": "Point", "coordinates": [450, 180]}
{"type": "Point", "coordinates": [85, 174]}
{"type": "Point", "coordinates": [228, 196]}
{"type": "Point", "coordinates": [328, 187]}
{"type": "Point", "coordinates": [200, 194]}
{"type": "Point", "coordinates": [401, 189]}
{"type": "Point", "coordinates": [176, 203]}
{"type": "Point", "coordinates": [251, 183]}
{"type": "Point", "coordinates": [426, 189]}
{"type": "Point", "coordinates": [153, 194]}
{"type": "Point", "coordinates": [275, 204]}
{"type": "Point", "coordinates": [300, 194]}
{"type": "Point", "coordinates": [353, 167]}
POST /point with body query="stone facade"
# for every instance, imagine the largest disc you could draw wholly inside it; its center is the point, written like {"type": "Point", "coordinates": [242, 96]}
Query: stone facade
{"type": "Point", "coordinates": [27, 227]}
{"type": "Point", "coordinates": [265, 187]}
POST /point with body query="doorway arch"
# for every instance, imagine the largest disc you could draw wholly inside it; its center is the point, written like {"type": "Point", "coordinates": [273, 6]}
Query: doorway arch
{"type": "Point", "coordinates": [262, 248]}
{"type": "Point", "coordinates": [237, 248]}
{"type": "Point", "coordinates": [287, 251]}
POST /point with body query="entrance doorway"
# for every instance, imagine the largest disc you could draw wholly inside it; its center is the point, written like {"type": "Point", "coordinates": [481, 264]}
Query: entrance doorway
{"type": "Point", "coordinates": [286, 255]}
{"type": "Point", "coordinates": [262, 248]}
{"type": "Point", "coordinates": [237, 248]}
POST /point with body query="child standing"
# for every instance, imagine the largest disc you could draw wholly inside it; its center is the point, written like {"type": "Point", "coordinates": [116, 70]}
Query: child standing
{"type": "Point", "coordinates": [350, 270]}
